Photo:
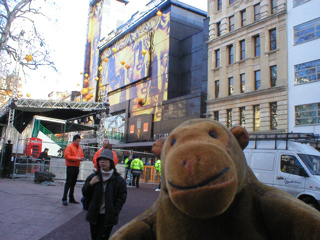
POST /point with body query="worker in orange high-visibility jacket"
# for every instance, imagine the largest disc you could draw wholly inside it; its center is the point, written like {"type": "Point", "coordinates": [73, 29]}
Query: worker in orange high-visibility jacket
{"type": "Point", "coordinates": [105, 145]}
{"type": "Point", "coordinates": [73, 155]}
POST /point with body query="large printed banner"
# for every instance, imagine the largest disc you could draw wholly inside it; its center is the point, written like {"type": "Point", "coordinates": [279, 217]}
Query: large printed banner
{"type": "Point", "coordinates": [129, 64]}
{"type": "Point", "coordinates": [92, 52]}
{"type": "Point", "coordinates": [135, 67]}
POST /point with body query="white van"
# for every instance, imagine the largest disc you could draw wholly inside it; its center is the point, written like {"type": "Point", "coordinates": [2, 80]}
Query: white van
{"type": "Point", "coordinates": [290, 166]}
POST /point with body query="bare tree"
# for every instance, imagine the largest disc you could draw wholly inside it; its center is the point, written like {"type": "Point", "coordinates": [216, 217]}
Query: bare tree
{"type": "Point", "coordinates": [19, 35]}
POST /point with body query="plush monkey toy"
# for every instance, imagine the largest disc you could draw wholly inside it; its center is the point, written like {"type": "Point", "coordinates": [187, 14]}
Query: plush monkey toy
{"type": "Point", "coordinates": [209, 192]}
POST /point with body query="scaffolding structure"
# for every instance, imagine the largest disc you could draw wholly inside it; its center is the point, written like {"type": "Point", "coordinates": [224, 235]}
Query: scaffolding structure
{"type": "Point", "coordinates": [55, 104]}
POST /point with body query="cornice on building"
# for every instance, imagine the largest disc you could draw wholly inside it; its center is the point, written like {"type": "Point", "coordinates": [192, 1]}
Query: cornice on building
{"type": "Point", "coordinates": [249, 94]}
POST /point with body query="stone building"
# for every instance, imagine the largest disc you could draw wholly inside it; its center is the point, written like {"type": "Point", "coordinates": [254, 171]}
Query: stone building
{"type": "Point", "coordinates": [247, 64]}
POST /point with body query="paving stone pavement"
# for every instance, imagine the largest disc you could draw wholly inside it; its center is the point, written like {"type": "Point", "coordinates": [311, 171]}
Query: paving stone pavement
{"type": "Point", "coordinates": [30, 211]}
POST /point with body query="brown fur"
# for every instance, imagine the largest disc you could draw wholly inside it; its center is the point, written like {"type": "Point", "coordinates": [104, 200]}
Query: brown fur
{"type": "Point", "coordinates": [234, 205]}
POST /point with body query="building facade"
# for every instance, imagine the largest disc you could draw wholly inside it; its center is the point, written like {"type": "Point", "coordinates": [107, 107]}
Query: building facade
{"type": "Point", "coordinates": [153, 70]}
{"type": "Point", "coordinates": [247, 70]}
{"type": "Point", "coordinates": [304, 65]}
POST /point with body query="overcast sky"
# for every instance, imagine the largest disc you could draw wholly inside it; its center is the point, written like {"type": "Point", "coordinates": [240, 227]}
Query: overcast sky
{"type": "Point", "coordinates": [68, 39]}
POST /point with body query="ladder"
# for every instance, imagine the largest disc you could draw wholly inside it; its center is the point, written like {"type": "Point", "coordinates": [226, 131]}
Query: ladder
{"type": "Point", "coordinates": [297, 137]}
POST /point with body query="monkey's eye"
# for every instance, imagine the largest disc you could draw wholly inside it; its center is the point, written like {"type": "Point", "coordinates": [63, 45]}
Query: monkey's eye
{"type": "Point", "coordinates": [173, 141]}
{"type": "Point", "coordinates": [213, 134]}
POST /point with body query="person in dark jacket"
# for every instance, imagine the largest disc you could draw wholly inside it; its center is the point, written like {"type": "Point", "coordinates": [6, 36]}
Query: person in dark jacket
{"type": "Point", "coordinates": [44, 155]}
{"type": "Point", "coordinates": [107, 192]}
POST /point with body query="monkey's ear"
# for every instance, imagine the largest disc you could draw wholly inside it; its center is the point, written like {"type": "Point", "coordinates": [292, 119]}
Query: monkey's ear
{"type": "Point", "coordinates": [241, 135]}
{"type": "Point", "coordinates": [157, 146]}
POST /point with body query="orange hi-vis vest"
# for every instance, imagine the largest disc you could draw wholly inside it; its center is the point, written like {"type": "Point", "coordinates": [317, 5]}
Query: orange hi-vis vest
{"type": "Point", "coordinates": [72, 154]}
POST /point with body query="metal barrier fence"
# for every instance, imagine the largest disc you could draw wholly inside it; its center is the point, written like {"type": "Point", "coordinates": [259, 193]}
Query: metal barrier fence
{"type": "Point", "coordinates": [26, 159]}
{"type": "Point", "coordinates": [25, 165]}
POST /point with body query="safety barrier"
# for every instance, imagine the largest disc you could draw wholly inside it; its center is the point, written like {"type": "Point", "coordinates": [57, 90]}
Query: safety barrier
{"type": "Point", "coordinates": [150, 175]}
{"type": "Point", "coordinates": [25, 165]}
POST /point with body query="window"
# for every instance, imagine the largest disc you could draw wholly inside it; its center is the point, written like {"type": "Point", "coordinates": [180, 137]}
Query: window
{"type": "Point", "coordinates": [242, 116]}
{"type": "Point", "coordinates": [307, 72]}
{"type": "Point", "coordinates": [231, 23]}
{"type": "Point", "coordinates": [231, 2]}
{"type": "Point", "coordinates": [216, 116]}
{"type": "Point", "coordinates": [273, 39]}
{"type": "Point", "coordinates": [230, 86]}
{"type": "Point", "coordinates": [312, 162]}
{"type": "Point", "coordinates": [256, 12]}
{"type": "Point", "coordinates": [307, 114]}
{"type": "Point", "coordinates": [229, 118]}
{"type": "Point", "coordinates": [299, 2]}
{"type": "Point", "coordinates": [290, 164]}
{"type": "Point", "coordinates": [218, 28]}
{"type": "Point", "coordinates": [273, 116]}
{"type": "Point", "coordinates": [230, 54]}
{"type": "Point", "coordinates": [242, 50]}
{"type": "Point", "coordinates": [243, 82]}
{"type": "Point", "coordinates": [273, 75]}
{"type": "Point", "coordinates": [217, 53]}
{"type": "Point", "coordinates": [219, 5]}
{"type": "Point", "coordinates": [243, 18]}
{"type": "Point", "coordinates": [273, 6]}
{"type": "Point", "coordinates": [307, 31]}
{"type": "Point", "coordinates": [256, 46]}
{"type": "Point", "coordinates": [257, 79]}
{"type": "Point", "coordinates": [256, 118]}
{"type": "Point", "coordinates": [216, 89]}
